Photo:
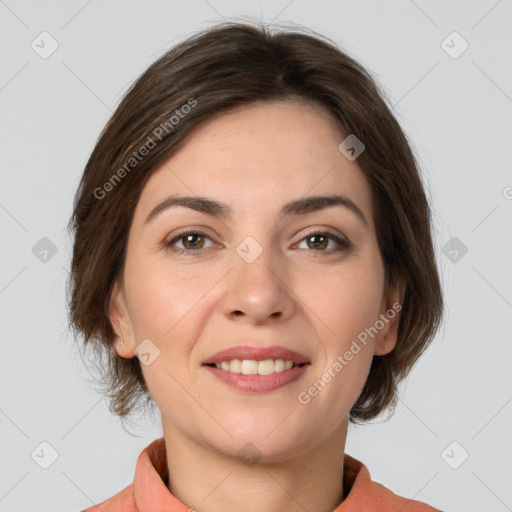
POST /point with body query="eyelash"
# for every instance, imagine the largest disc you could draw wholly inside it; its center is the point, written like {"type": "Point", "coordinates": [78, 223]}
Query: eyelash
{"type": "Point", "coordinates": [343, 245]}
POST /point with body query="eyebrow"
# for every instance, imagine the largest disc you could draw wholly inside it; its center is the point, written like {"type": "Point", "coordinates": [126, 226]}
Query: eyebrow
{"type": "Point", "coordinates": [214, 208]}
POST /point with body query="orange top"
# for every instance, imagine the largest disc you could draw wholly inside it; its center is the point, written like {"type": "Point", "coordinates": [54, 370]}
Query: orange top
{"type": "Point", "coordinates": [148, 491]}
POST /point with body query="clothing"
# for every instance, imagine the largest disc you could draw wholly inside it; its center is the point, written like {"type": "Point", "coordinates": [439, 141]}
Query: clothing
{"type": "Point", "coordinates": [148, 491]}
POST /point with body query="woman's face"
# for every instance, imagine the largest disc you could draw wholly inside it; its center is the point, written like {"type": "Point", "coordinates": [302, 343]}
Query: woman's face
{"type": "Point", "coordinates": [256, 277]}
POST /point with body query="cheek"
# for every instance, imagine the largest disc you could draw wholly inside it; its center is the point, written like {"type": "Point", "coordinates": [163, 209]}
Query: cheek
{"type": "Point", "coordinates": [161, 297]}
{"type": "Point", "coordinates": [344, 301]}
{"type": "Point", "coordinates": [171, 307]}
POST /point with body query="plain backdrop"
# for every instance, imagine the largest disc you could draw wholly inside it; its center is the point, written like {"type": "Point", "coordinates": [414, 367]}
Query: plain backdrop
{"type": "Point", "coordinates": [448, 443]}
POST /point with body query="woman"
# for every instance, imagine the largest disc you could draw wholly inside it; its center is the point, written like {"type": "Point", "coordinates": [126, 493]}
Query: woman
{"type": "Point", "coordinates": [253, 251]}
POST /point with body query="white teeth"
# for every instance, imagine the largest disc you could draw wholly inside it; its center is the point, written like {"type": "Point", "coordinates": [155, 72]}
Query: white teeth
{"type": "Point", "coordinates": [234, 366]}
{"type": "Point", "coordinates": [266, 367]}
{"type": "Point", "coordinates": [252, 367]}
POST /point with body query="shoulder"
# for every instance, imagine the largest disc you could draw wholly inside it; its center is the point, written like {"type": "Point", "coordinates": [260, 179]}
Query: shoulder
{"type": "Point", "coordinates": [388, 500]}
{"type": "Point", "coordinates": [365, 495]}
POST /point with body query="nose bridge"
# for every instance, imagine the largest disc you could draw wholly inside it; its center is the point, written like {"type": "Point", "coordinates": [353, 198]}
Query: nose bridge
{"type": "Point", "coordinates": [257, 284]}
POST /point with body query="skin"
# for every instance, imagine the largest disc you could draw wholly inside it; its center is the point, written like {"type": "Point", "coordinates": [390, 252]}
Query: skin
{"type": "Point", "coordinates": [293, 295]}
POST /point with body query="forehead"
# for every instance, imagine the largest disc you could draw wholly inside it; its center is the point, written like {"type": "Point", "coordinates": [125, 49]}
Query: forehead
{"type": "Point", "coordinates": [262, 154]}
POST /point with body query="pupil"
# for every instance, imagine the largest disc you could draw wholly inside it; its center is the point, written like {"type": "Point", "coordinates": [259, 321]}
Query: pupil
{"type": "Point", "coordinates": [317, 236]}
{"type": "Point", "coordinates": [189, 237]}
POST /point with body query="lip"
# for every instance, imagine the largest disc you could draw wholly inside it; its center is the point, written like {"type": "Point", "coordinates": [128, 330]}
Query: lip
{"type": "Point", "coordinates": [258, 383]}
{"type": "Point", "coordinates": [257, 354]}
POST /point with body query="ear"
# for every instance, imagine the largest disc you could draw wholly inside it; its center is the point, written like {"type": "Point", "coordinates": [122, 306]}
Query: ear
{"type": "Point", "coordinates": [121, 323]}
{"type": "Point", "coordinates": [391, 306]}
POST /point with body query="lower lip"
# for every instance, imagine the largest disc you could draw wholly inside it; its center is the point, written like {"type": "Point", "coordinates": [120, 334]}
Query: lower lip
{"type": "Point", "coordinates": [258, 383]}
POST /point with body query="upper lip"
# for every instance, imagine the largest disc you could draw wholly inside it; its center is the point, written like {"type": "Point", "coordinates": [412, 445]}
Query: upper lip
{"type": "Point", "coordinates": [257, 354]}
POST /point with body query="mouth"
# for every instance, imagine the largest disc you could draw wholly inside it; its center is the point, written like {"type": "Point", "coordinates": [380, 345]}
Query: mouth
{"type": "Point", "coordinates": [254, 367]}
{"type": "Point", "coordinates": [252, 376]}
{"type": "Point", "coordinates": [248, 358]}
{"type": "Point", "coordinates": [257, 369]}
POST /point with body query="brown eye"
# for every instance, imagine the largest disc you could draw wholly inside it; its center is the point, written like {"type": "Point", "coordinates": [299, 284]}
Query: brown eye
{"type": "Point", "coordinates": [192, 241]}
{"type": "Point", "coordinates": [319, 240]}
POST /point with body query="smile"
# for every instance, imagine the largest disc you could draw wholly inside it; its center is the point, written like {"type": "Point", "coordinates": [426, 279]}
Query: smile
{"type": "Point", "coordinates": [271, 378]}
{"type": "Point", "coordinates": [252, 367]}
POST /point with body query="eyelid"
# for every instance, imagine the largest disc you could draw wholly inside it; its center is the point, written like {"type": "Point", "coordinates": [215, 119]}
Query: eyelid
{"type": "Point", "coordinates": [199, 230]}
{"type": "Point", "coordinates": [320, 229]}
{"type": "Point", "coordinates": [343, 243]}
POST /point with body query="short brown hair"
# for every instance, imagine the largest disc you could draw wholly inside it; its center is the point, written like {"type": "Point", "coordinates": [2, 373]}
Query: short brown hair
{"type": "Point", "coordinates": [223, 67]}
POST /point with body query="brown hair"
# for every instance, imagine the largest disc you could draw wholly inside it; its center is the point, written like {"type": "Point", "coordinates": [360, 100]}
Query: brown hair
{"type": "Point", "coordinates": [229, 65]}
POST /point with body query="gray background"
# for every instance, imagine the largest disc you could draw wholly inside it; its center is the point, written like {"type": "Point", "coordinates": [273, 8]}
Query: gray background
{"type": "Point", "coordinates": [457, 112]}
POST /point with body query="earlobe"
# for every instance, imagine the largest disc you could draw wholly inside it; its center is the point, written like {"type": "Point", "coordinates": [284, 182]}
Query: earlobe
{"type": "Point", "coordinates": [120, 322]}
{"type": "Point", "coordinates": [386, 340]}
{"type": "Point", "coordinates": [390, 316]}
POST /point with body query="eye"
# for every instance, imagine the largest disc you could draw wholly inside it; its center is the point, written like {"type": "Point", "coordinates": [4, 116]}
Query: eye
{"type": "Point", "coordinates": [318, 241]}
{"type": "Point", "coordinates": [193, 241]}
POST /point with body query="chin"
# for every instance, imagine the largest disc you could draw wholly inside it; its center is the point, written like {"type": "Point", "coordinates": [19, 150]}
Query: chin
{"type": "Point", "coordinates": [264, 444]}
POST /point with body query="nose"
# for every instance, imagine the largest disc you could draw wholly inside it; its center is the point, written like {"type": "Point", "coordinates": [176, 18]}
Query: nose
{"type": "Point", "coordinates": [260, 291]}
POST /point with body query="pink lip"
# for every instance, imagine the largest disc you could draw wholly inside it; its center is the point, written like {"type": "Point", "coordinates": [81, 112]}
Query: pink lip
{"type": "Point", "coordinates": [258, 383]}
{"type": "Point", "coordinates": [257, 354]}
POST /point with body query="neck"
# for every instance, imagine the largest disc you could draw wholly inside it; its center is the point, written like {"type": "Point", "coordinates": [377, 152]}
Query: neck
{"type": "Point", "coordinates": [211, 481]}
